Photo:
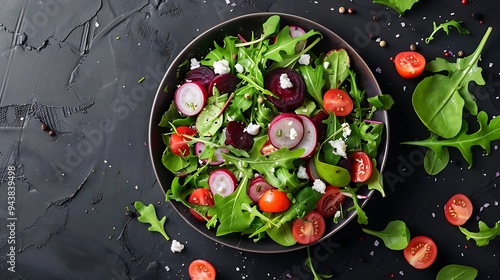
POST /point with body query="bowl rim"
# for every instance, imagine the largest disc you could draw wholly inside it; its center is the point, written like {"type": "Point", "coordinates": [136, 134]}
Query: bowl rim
{"type": "Point", "coordinates": [180, 57]}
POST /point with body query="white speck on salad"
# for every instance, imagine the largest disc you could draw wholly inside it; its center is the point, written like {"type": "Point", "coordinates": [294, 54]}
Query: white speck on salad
{"type": "Point", "coordinates": [339, 147]}
{"type": "Point", "coordinates": [252, 129]}
{"type": "Point", "coordinates": [176, 246]}
{"type": "Point", "coordinates": [285, 81]}
{"type": "Point", "coordinates": [221, 67]}
{"type": "Point", "coordinates": [346, 130]}
{"type": "Point", "coordinates": [305, 59]}
{"type": "Point", "coordinates": [337, 214]}
{"type": "Point", "coordinates": [319, 186]}
{"type": "Point", "coordinates": [194, 63]}
{"type": "Point", "coordinates": [302, 173]}
{"type": "Point", "coordinates": [326, 64]}
{"type": "Point", "coordinates": [293, 133]}
{"type": "Point", "coordinates": [239, 68]}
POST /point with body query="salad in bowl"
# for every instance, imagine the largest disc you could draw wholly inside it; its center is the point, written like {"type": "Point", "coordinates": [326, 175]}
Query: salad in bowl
{"type": "Point", "coordinates": [269, 133]}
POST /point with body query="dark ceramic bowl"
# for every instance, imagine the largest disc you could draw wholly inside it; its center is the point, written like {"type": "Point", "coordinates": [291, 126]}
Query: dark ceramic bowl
{"type": "Point", "coordinates": [198, 48]}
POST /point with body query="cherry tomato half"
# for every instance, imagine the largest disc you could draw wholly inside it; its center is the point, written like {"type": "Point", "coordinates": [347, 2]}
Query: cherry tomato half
{"type": "Point", "coordinates": [420, 252]}
{"type": "Point", "coordinates": [458, 209]}
{"type": "Point", "coordinates": [201, 196]}
{"type": "Point", "coordinates": [177, 140]}
{"type": "Point", "coordinates": [201, 270]}
{"type": "Point", "coordinates": [338, 102]}
{"type": "Point", "coordinates": [273, 201]}
{"type": "Point", "coordinates": [308, 229]}
{"type": "Point", "coordinates": [409, 64]}
{"type": "Point", "coordinates": [330, 201]}
{"type": "Point", "coordinates": [360, 166]}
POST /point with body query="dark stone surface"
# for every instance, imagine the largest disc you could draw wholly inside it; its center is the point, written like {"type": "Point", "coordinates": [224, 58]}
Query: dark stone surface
{"type": "Point", "coordinates": [75, 65]}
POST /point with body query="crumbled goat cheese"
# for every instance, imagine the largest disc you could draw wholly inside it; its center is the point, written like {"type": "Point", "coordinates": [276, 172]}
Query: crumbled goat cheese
{"type": "Point", "coordinates": [285, 81]}
{"type": "Point", "coordinates": [293, 133]}
{"type": "Point", "coordinates": [302, 173]}
{"type": "Point", "coordinates": [239, 68]}
{"type": "Point", "coordinates": [176, 246]}
{"type": "Point", "coordinates": [326, 64]}
{"type": "Point", "coordinates": [346, 130]}
{"type": "Point", "coordinates": [194, 63]}
{"type": "Point", "coordinates": [319, 186]}
{"type": "Point", "coordinates": [305, 59]}
{"type": "Point", "coordinates": [339, 147]}
{"type": "Point", "coordinates": [252, 129]}
{"type": "Point", "coordinates": [221, 67]}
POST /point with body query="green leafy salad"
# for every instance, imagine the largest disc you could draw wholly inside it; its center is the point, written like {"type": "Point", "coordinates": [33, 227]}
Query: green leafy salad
{"type": "Point", "coordinates": [268, 138]}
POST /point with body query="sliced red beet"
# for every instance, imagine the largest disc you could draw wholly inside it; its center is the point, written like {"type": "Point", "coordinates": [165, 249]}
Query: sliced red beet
{"type": "Point", "coordinates": [288, 99]}
{"type": "Point", "coordinates": [318, 122]}
{"type": "Point", "coordinates": [257, 187]}
{"type": "Point", "coordinates": [202, 75]}
{"type": "Point", "coordinates": [237, 137]}
{"type": "Point", "coordinates": [222, 182]}
{"type": "Point", "coordinates": [310, 139]}
{"type": "Point", "coordinates": [225, 83]}
{"type": "Point", "coordinates": [286, 130]}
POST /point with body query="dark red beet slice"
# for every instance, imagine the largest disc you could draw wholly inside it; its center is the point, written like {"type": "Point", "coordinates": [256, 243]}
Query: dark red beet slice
{"type": "Point", "coordinates": [202, 75]}
{"type": "Point", "coordinates": [225, 83]}
{"type": "Point", "coordinates": [288, 99]}
{"type": "Point", "coordinates": [236, 137]}
{"type": "Point", "coordinates": [318, 122]}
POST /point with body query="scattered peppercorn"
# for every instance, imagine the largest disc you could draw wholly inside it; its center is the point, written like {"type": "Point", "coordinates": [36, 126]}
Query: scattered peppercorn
{"type": "Point", "coordinates": [341, 10]}
{"type": "Point", "coordinates": [52, 133]}
{"type": "Point", "coordinates": [374, 18]}
{"type": "Point", "coordinates": [350, 11]}
{"type": "Point", "coordinates": [460, 53]}
{"type": "Point", "coordinates": [413, 47]}
{"type": "Point", "coordinates": [44, 127]}
{"type": "Point", "coordinates": [382, 44]}
{"type": "Point", "coordinates": [372, 37]}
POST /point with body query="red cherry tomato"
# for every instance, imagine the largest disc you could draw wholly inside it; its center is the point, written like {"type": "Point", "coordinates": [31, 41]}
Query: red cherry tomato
{"type": "Point", "coordinates": [360, 166]}
{"type": "Point", "coordinates": [330, 201]}
{"type": "Point", "coordinates": [409, 64]}
{"type": "Point", "coordinates": [177, 140]}
{"type": "Point", "coordinates": [308, 229]}
{"type": "Point", "coordinates": [420, 252]}
{"type": "Point", "coordinates": [458, 209]}
{"type": "Point", "coordinates": [201, 270]}
{"type": "Point", "coordinates": [273, 201]}
{"type": "Point", "coordinates": [201, 196]}
{"type": "Point", "coordinates": [337, 101]}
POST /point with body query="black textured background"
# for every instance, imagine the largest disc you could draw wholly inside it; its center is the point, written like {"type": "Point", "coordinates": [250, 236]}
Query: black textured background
{"type": "Point", "coordinates": [75, 66]}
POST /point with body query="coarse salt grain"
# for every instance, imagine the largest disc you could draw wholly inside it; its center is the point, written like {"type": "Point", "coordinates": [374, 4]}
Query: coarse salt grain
{"type": "Point", "coordinates": [378, 70]}
{"type": "Point", "coordinates": [376, 243]}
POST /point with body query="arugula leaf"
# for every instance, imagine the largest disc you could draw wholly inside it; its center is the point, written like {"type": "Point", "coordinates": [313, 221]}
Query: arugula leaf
{"type": "Point", "coordinates": [270, 27]}
{"type": "Point", "coordinates": [282, 235]}
{"type": "Point", "coordinates": [445, 26]}
{"type": "Point", "coordinates": [396, 235]}
{"type": "Point", "coordinates": [332, 127]}
{"type": "Point", "coordinates": [210, 118]}
{"type": "Point", "coordinates": [375, 182]}
{"type": "Point", "coordinates": [357, 95]}
{"type": "Point", "coordinates": [457, 272]}
{"type": "Point", "coordinates": [438, 100]}
{"type": "Point", "coordinates": [313, 78]}
{"type": "Point", "coordinates": [309, 264]}
{"type": "Point", "coordinates": [148, 216]}
{"type": "Point", "coordinates": [227, 52]}
{"type": "Point", "coordinates": [229, 210]}
{"type": "Point", "coordinates": [399, 5]}
{"type": "Point", "coordinates": [338, 68]}
{"type": "Point", "coordinates": [463, 141]}
{"type": "Point", "coordinates": [173, 117]}
{"type": "Point", "coordinates": [285, 43]}
{"type": "Point", "coordinates": [435, 163]}
{"type": "Point", "coordinates": [484, 235]}
{"type": "Point", "coordinates": [305, 201]}
{"type": "Point", "coordinates": [362, 218]}
{"type": "Point", "coordinates": [381, 101]}
{"type": "Point", "coordinates": [178, 164]}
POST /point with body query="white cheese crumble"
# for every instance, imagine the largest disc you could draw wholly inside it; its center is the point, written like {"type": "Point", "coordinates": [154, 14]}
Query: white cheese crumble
{"type": "Point", "coordinates": [339, 147]}
{"type": "Point", "coordinates": [239, 68]}
{"type": "Point", "coordinates": [194, 63]}
{"type": "Point", "coordinates": [293, 133]}
{"type": "Point", "coordinates": [252, 129]}
{"type": "Point", "coordinates": [319, 186]}
{"type": "Point", "coordinates": [302, 173]}
{"type": "Point", "coordinates": [176, 246]}
{"type": "Point", "coordinates": [285, 81]}
{"type": "Point", "coordinates": [326, 64]}
{"type": "Point", "coordinates": [305, 59]}
{"type": "Point", "coordinates": [346, 130]}
{"type": "Point", "coordinates": [221, 67]}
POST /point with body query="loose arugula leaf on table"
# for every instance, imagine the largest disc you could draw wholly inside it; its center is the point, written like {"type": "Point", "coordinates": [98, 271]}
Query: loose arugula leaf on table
{"type": "Point", "coordinates": [457, 272]}
{"type": "Point", "coordinates": [338, 68]}
{"type": "Point", "coordinates": [439, 99]}
{"type": "Point", "coordinates": [309, 264]}
{"type": "Point", "coordinates": [484, 235]}
{"type": "Point", "coordinates": [463, 141]}
{"type": "Point", "coordinates": [445, 26]}
{"type": "Point", "coordinates": [399, 5]}
{"type": "Point", "coordinates": [396, 235]}
{"type": "Point", "coordinates": [435, 163]}
{"type": "Point", "coordinates": [148, 216]}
